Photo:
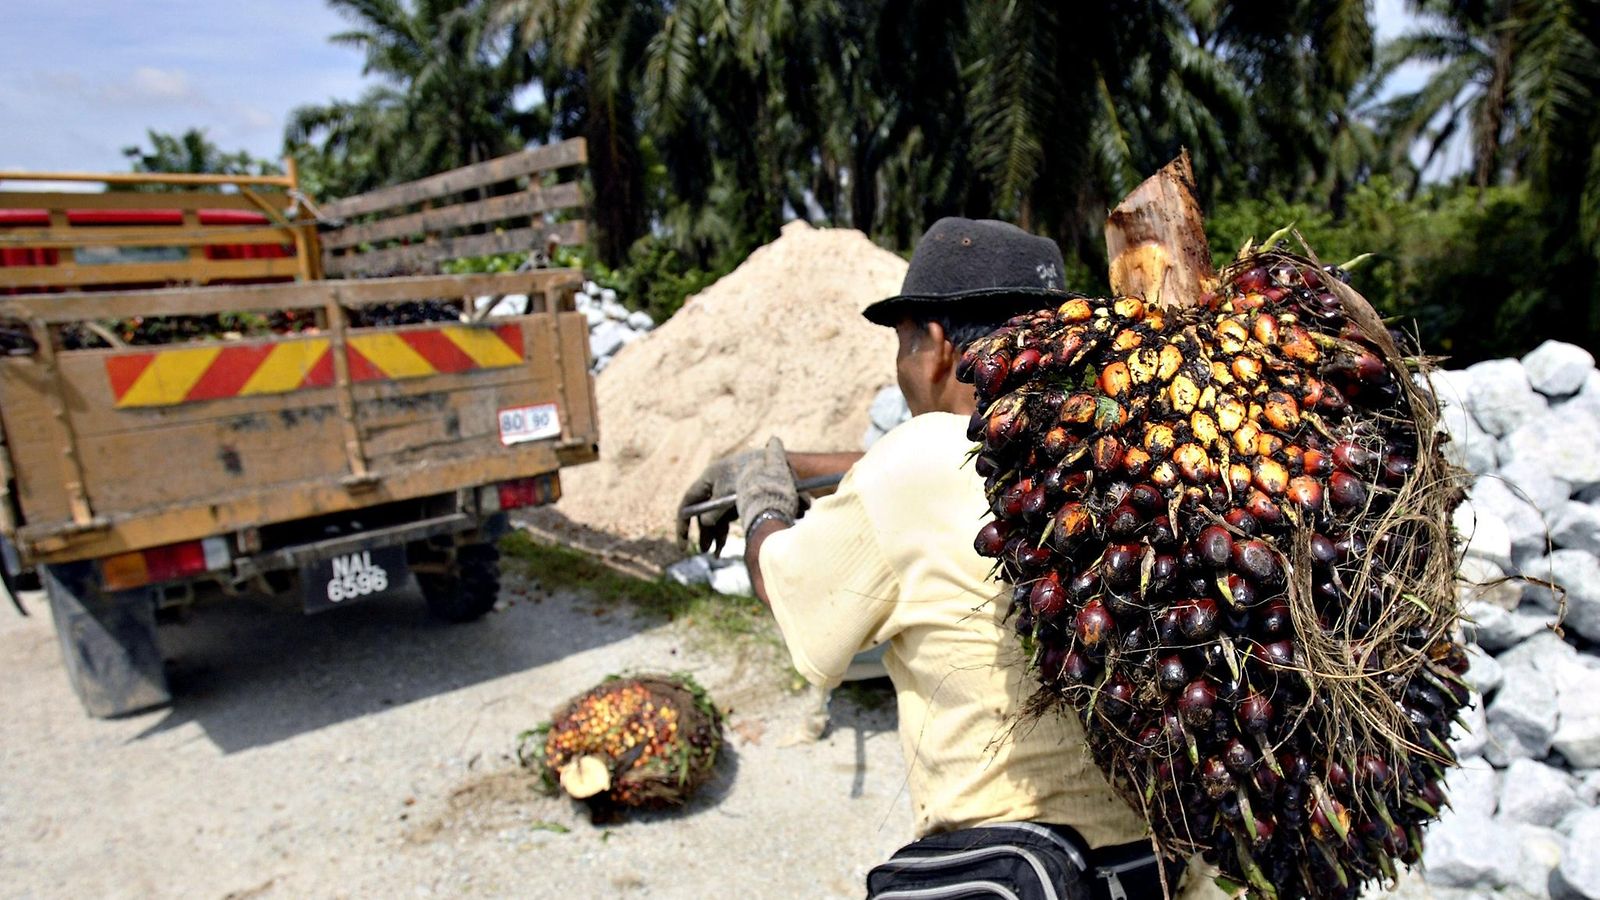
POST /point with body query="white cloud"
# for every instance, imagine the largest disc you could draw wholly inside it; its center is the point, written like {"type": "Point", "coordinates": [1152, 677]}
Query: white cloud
{"type": "Point", "coordinates": [151, 83]}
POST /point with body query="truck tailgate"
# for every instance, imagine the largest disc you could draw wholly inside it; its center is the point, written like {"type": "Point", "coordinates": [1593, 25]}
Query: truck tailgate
{"type": "Point", "coordinates": [115, 449]}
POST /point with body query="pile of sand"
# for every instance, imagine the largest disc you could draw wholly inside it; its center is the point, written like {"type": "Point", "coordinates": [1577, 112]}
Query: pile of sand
{"type": "Point", "coordinates": [778, 347]}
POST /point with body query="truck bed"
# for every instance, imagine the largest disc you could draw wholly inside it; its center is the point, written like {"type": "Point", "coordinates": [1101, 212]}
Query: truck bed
{"type": "Point", "coordinates": [130, 447]}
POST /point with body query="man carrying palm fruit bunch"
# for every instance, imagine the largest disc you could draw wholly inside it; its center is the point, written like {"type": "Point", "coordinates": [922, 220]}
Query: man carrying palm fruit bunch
{"type": "Point", "coordinates": [1003, 806]}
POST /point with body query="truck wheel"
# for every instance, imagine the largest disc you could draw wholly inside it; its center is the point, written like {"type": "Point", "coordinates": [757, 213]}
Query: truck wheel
{"type": "Point", "coordinates": [108, 641]}
{"type": "Point", "coordinates": [471, 587]}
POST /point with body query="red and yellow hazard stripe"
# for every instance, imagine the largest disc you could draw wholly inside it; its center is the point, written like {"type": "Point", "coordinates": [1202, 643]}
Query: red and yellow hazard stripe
{"type": "Point", "coordinates": [168, 377]}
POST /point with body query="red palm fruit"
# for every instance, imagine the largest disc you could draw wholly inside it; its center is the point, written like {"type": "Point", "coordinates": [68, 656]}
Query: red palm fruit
{"type": "Point", "coordinates": [1311, 393]}
{"type": "Point", "coordinates": [1316, 463]}
{"type": "Point", "coordinates": [1279, 653]}
{"type": "Point", "coordinates": [1270, 476]}
{"type": "Point", "coordinates": [989, 374]}
{"type": "Point", "coordinates": [985, 465]}
{"type": "Point", "coordinates": [1350, 547]}
{"type": "Point", "coordinates": [1124, 521]}
{"type": "Point", "coordinates": [1115, 379]}
{"type": "Point", "coordinates": [1338, 777]}
{"type": "Point", "coordinates": [1306, 493]}
{"type": "Point", "coordinates": [1136, 462]}
{"type": "Point", "coordinates": [1169, 627]}
{"type": "Point", "coordinates": [1094, 624]}
{"type": "Point", "coordinates": [1164, 474]}
{"type": "Point", "coordinates": [1257, 560]}
{"type": "Point", "coordinates": [991, 540]}
{"type": "Point", "coordinates": [1161, 533]}
{"type": "Point", "coordinates": [1164, 572]}
{"type": "Point", "coordinates": [1296, 766]}
{"type": "Point", "coordinates": [1351, 457]}
{"type": "Point", "coordinates": [1033, 559]}
{"type": "Point", "coordinates": [1145, 498]}
{"type": "Point", "coordinates": [1197, 703]}
{"type": "Point", "coordinates": [1025, 363]}
{"type": "Point", "coordinates": [1007, 419]}
{"type": "Point", "coordinates": [1216, 780]}
{"type": "Point", "coordinates": [1396, 469]}
{"type": "Point", "coordinates": [1240, 520]}
{"type": "Point", "coordinates": [1239, 478]}
{"type": "Point", "coordinates": [1056, 442]}
{"type": "Point", "coordinates": [1198, 618]}
{"type": "Point", "coordinates": [1215, 545]}
{"type": "Point", "coordinates": [1243, 592]}
{"type": "Point", "coordinates": [1084, 585]}
{"type": "Point", "coordinates": [1374, 771]}
{"type": "Point", "coordinates": [1274, 619]}
{"type": "Point", "coordinates": [1396, 842]}
{"type": "Point", "coordinates": [1078, 668]}
{"type": "Point", "coordinates": [1346, 491]}
{"type": "Point", "coordinates": [1266, 827]}
{"type": "Point", "coordinates": [1262, 507]}
{"type": "Point", "coordinates": [1122, 565]}
{"type": "Point", "coordinates": [1048, 597]}
{"type": "Point", "coordinates": [1171, 673]}
{"type": "Point", "coordinates": [1265, 329]}
{"type": "Point", "coordinates": [1281, 411]}
{"type": "Point", "coordinates": [1010, 505]}
{"type": "Point", "coordinates": [1106, 455]}
{"type": "Point", "coordinates": [1078, 409]}
{"type": "Point", "coordinates": [1252, 280]}
{"type": "Point", "coordinates": [1052, 660]}
{"type": "Point", "coordinates": [1116, 697]}
{"type": "Point", "coordinates": [1323, 553]}
{"type": "Point", "coordinates": [1295, 342]}
{"type": "Point", "coordinates": [1239, 758]}
{"type": "Point", "coordinates": [1255, 713]}
{"type": "Point", "coordinates": [1072, 523]}
{"type": "Point", "coordinates": [1036, 502]}
{"type": "Point", "coordinates": [1193, 463]}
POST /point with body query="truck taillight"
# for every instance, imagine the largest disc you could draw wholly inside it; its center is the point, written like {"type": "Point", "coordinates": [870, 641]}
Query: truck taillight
{"type": "Point", "coordinates": [506, 495]}
{"type": "Point", "coordinates": [158, 564]}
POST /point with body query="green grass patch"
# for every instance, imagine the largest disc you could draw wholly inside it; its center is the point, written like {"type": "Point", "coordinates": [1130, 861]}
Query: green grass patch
{"type": "Point", "coordinates": [698, 607]}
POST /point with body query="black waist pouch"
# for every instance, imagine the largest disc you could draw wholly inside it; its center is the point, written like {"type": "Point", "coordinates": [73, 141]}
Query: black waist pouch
{"type": "Point", "coordinates": [1018, 861]}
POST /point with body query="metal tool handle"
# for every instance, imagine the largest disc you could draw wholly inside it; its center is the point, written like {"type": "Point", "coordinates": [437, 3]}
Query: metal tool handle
{"type": "Point", "coordinates": [716, 504]}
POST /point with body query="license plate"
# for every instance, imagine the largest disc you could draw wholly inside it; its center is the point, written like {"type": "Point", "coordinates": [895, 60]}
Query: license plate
{"type": "Point", "coordinates": [529, 423]}
{"type": "Point", "coordinates": [352, 577]}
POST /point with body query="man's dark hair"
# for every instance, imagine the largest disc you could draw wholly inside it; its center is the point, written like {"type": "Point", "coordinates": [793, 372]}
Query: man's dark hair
{"type": "Point", "coordinates": [961, 329]}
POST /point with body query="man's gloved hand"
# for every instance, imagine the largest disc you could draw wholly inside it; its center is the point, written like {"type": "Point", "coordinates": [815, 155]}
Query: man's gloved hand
{"type": "Point", "coordinates": [721, 479]}
{"type": "Point", "coordinates": [767, 484]}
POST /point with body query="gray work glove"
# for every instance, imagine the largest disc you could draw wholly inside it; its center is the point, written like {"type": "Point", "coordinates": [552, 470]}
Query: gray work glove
{"type": "Point", "coordinates": [720, 479]}
{"type": "Point", "coordinates": [767, 484]}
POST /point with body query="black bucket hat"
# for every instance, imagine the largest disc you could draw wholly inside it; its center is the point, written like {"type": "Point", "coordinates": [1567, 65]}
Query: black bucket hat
{"type": "Point", "coordinates": [960, 261]}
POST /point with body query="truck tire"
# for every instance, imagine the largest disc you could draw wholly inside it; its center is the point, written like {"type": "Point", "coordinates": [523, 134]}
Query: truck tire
{"type": "Point", "coordinates": [469, 589]}
{"type": "Point", "coordinates": [108, 641]}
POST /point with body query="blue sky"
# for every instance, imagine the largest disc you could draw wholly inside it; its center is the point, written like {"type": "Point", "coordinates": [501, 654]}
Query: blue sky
{"type": "Point", "coordinates": [84, 78]}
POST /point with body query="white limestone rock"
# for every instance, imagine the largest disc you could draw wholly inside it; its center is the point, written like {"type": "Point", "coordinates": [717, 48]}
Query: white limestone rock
{"type": "Point", "coordinates": [1500, 397]}
{"type": "Point", "coordinates": [1576, 526]}
{"type": "Point", "coordinates": [1557, 369]}
{"type": "Point", "coordinates": [1536, 794]}
{"type": "Point", "coordinates": [1558, 442]}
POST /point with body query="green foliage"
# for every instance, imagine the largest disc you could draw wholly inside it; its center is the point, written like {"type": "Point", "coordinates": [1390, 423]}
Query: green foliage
{"type": "Point", "coordinates": [708, 123]}
{"type": "Point", "coordinates": [1465, 269]}
{"type": "Point", "coordinates": [189, 153]}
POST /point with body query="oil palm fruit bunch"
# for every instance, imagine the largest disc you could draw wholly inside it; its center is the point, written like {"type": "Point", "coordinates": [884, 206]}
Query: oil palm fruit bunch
{"type": "Point", "coordinates": [643, 741]}
{"type": "Point", "coordinates": [1226, 530]}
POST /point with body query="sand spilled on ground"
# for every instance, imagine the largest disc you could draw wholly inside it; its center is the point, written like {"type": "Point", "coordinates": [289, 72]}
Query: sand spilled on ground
{"type": "Point", "coordinates": [777, 347]}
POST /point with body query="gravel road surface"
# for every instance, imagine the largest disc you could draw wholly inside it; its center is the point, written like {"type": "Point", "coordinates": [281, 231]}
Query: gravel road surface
{"type": "Point", "coordinates": [368, 752]}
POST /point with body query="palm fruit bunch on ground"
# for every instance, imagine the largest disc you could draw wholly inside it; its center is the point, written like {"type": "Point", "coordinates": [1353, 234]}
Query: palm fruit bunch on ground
{"type": "Point", "coordinates": [643, 741]}
{"type": "Point", "coordinates": [1227, 531]}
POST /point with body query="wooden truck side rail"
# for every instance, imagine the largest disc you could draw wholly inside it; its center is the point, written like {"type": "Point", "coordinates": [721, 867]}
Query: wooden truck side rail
{"type": "Point", "coordinates": [252, 231]}
{"type": "Point", "coordinates": [80, 426]}
{"type": "Point", "coordinates": [513, 203]}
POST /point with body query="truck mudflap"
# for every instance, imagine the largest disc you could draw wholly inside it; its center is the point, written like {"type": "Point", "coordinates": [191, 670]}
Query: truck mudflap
{"type": "Point", "coordinates": [108, 641]}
